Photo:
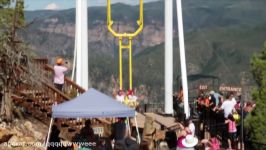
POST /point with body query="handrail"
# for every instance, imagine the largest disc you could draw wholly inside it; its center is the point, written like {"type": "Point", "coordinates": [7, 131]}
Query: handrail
{"type": "Point", "coordinates": [40, 60]}
{"type": "Point", "coordinates": [40, 78]}
{"type": "Point", "coordinates": [54, 93]}
{"type": "Point", "coordinates": [69, 84]}
{"type": "Point", "coordinates": [71, 88]}
{"type": "Point", "coordinates": [60, 97]}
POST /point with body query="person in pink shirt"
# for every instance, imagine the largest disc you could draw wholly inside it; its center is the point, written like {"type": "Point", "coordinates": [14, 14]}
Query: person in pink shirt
{"type": "Point", "coordinates": [213, 143]}
{"type": "Point", "coordinates": [231, 131]}
{"type": "Point", "coordinates": [182, 135]}
{"type": "Point", "coordinates": [59, 74]}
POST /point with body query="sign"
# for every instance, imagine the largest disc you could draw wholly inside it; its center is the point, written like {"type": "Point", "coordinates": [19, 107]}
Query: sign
{"type": "Point", "coordinates": [230, 89]}
{"type": "Point", "coordinates": [203, 87]}
{"type": "Point", "coordinates": [99, 130]}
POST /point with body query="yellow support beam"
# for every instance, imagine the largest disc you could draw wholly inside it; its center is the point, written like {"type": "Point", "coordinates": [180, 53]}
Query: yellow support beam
{"type": "Point", "coordinates": [130, 64]}
{"type": "Point", "coordinates": [120, 65]}
{"type": "Point", "coordinates": [129, 37]}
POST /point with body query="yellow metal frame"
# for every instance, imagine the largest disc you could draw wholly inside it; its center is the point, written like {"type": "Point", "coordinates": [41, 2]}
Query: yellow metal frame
{"type": "Point", "coordinates": [129, 37]}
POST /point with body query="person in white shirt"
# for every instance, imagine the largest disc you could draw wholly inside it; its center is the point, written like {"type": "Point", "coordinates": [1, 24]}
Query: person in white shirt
{"type": "Point", "coordinates": [120, 96]}
{"type": "Point", "coordinates": [233, 99]}
{"type": "Point", "coordinates": [131, 96]}
{"type": "Point", "coordinates": [191, 127]}
{"type": "Point", "coordinates": [59, 74]}
{"type": "Point", "coordinates": [132, 99]}
{"type": "Point", "coordinates": [227, 106]}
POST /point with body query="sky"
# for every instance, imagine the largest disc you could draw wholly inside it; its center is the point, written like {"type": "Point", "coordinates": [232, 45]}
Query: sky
{"type": "Point", "coordinates": [66, 4]}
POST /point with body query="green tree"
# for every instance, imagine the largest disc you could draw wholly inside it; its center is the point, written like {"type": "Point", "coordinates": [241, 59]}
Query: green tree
{"type": "Point", "coordinates": [255, 122]}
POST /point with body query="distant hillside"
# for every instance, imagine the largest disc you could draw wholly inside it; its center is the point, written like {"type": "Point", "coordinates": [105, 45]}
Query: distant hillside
{"type": "Point", "coordinates": [220, 38]}
{"type": "Point", "coordinates": [226, 54]}
{"type": "Point", "coordinates": [198, 14]}
{"type": "Point", "coordinates": [222, 52]}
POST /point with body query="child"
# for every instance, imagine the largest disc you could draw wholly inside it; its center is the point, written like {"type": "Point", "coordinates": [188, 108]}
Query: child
{"type": "Point", "coordinates": [231, 130]}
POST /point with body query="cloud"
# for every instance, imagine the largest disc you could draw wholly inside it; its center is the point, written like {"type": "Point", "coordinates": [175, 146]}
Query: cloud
{"type": "Point", "coordinates": [52, 6]}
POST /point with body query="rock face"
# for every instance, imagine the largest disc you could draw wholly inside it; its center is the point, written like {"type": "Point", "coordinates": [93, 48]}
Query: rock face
{"type": "Point", "coordinates": [99, 38]}
{"type": "Point", "coordinates": [5, 135]}
{"type": "Point", "coordinates": [23, 135]}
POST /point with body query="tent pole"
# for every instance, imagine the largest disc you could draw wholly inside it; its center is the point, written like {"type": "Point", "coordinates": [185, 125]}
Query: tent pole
{"type": "Point", "coordinates": [137, 129]}
{"type": "Point", "coordinates": [128, 126]}
{"type": "Point", "coordinates": [49, 132]}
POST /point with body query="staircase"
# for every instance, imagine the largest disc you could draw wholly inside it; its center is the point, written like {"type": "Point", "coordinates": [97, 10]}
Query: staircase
{"type": "Point", "coordinates": [37, 95]}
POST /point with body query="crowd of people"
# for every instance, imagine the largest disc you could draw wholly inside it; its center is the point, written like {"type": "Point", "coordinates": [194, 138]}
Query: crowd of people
{"type": "Point", "coordinates": [220, 115]}
{"type": "Point", "coordinates": [224, 115]}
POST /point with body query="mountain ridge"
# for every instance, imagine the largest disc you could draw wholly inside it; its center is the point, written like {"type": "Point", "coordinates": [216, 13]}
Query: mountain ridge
{"type": "Point", "coordinates": [220, 38]}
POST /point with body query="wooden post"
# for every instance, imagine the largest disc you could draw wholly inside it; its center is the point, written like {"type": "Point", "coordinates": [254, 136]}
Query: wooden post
{"type": "Point", "coordinates": [149, 132]}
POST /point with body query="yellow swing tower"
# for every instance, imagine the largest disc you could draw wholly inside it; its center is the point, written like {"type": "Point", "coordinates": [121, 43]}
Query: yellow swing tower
{"type": "Point", "coordinates": [128, 37]}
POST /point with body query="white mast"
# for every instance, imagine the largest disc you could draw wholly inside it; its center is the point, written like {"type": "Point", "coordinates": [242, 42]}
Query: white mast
{"type": "Point", "coordinates": [168, 58]}
{"type": "Point", "coordinates": [182, 56]}
{"type": "Point", "coordinates": [82, 71]}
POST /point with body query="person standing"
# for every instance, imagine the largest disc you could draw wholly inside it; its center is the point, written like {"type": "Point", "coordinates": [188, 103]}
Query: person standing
{"type": "Point", "coordinates": [227, 106]}
{"type": "Point", "coordinates": [54, 141]}
{"type": "Point", "coordinates": [120, 96]}
{"type": "Point", "coordinates": [59, 74]}
{"type": "Point", "coordinates": [119, 130]}
{"type": "Point", "coordinates": [232, 131]}
{"type": "Point", "coordinates": [191, 126]}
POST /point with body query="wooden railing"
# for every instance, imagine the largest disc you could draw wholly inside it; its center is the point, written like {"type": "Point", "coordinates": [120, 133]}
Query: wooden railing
{"type": "Point", "coordinates": [54, 94]}
{"type": "Point", "coordinates": [46, 71]}
{"type": "Point", "coordinates": [43, 73]}
{"type": "Point", "coordinates": [40, 61]}
{"type": "Point", "coordinates": [42, 81]}
{"type": "Point", "coordinates": [70, 87]}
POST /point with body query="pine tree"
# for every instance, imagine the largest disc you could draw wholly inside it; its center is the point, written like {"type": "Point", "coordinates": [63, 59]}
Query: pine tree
{"type": "Point", "coordinates": [255, 122]}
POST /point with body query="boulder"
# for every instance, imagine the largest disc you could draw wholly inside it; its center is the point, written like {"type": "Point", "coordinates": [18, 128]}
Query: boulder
{"type": "Point", "coordinates": [28, 125]}
{"type": "Point", "coordinates": [5, 135]}
{"type": "Point", "coordinates": [38, 135]}
{"type": "Point", "coordinates": [3, 125]}
{"type": "Point", "coordinates": [17, 132]}
{"type": "Point", "coordinates": [14, 141]}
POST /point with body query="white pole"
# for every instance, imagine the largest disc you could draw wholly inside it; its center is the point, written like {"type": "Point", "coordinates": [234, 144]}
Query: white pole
{"type": "Point", "coordinates": [137, 129]}
{"type": "Point", "coordinates": [78, 43]}
{"type": "Point", "coordinates": [75, 53]}
{"type": "Point", "coordinates": [49, 133]}
{"type": "Point", "coordinates": [182, 56]}
{"type": "Point", "coordinates": [128, 126]}
{"type": "Point", "coordinates": [168, 58]}
{"type": "Point", "coordinates": [82, 75]}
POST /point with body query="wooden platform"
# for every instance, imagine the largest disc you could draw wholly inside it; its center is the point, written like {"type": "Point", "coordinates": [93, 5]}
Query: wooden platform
{"type": "Point", "coordinates": [161, 122]}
